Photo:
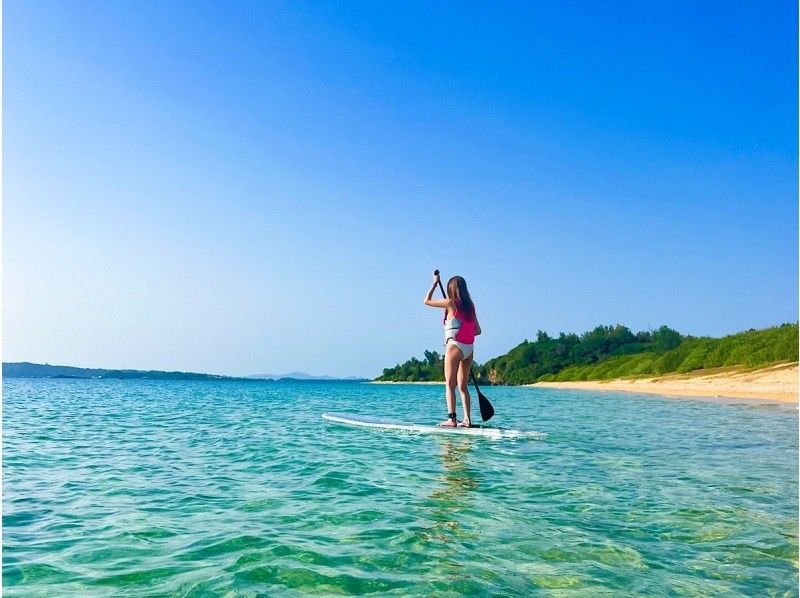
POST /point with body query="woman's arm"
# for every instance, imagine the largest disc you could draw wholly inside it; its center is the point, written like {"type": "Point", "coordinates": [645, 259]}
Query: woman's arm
{"type": "Point", "coordinates": [477, 327]}
{"type": "Point", "coordinates": [429, 301]}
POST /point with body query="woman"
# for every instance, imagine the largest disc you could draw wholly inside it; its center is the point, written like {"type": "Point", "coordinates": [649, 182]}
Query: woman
{"type": "Point", "coordinates": [460, 328]}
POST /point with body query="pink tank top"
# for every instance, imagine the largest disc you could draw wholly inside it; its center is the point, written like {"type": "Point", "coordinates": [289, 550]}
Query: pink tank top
{"type": "Point", "coordinates": [459, 328]}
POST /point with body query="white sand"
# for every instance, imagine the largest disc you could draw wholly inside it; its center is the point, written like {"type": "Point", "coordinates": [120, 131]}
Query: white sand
{"type": "Point", "coordinates": [775, 383]}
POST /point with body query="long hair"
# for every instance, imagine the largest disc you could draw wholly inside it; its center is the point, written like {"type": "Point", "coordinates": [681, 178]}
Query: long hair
{"type": "Point", "coordinates": [457, 291]}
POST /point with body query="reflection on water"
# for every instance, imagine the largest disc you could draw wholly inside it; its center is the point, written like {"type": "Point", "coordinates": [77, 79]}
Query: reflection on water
{"type": "Point", "coordinates": [459, 481]}
{"type": "Point", "coordinates": [458, 478]}
{"type": "Point", "coordinates": [448, 502]}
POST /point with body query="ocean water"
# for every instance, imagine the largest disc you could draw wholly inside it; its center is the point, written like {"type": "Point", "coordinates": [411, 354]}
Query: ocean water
{"type": "Point", "coordinates": [145, 488]}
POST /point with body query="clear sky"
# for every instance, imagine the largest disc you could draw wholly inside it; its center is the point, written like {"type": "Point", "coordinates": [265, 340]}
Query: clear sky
{"type": "Point", "coordinates": [247, 187]}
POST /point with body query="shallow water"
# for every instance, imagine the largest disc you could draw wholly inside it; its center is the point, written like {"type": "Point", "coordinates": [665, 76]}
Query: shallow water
{"type": "Point", "coordinates": [145, 488]}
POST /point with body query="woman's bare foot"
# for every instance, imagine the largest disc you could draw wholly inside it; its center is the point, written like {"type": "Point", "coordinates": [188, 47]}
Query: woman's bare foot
{"type": "Point", "coordinates": [466, 423]}
{"type": "Point", "coordinates": [448, 423]}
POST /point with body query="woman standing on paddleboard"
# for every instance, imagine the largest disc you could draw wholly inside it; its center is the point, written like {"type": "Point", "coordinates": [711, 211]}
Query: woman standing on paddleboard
{"type": "Point", "coordinates": [460, 329]}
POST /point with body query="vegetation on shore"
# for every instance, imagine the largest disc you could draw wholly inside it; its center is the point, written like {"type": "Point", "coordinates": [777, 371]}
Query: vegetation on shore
{"type": "Point", "coordinates": [609, 352]}
{"type": "Point", "coordinates": [429, 369]}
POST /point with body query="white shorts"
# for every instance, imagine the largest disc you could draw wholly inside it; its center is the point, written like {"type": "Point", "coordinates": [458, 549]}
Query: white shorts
{"type": "Point", "coordinates": [466, 349]}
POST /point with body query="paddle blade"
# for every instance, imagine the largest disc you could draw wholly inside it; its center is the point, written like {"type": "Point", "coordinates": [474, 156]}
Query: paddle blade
{"type": "Point", "coordinates": [487, 411]}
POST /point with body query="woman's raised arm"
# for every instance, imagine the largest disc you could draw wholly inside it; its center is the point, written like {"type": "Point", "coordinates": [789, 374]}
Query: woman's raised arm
{"type": "Point", "coordinates": [430, 301]}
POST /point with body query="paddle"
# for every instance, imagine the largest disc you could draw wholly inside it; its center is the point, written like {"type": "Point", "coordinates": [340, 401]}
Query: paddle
{"type": "Point", "coordinates": [487, 411]}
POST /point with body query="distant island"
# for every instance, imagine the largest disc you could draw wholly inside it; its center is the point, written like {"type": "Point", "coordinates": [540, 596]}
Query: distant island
{"type": "Point", "coordinates": [304, 376]}
{"type": "Point", "coordinates": [611, 352]}
{"type": "Point", "coordinates": [25, 369]}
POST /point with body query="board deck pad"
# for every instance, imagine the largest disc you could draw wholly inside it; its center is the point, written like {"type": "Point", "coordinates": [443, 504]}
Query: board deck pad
{"type": "Point", "coordinates": [366, 421]}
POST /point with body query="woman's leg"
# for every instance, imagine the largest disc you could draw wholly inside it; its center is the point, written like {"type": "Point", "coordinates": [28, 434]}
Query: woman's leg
{"type": "Point", "coordinates": [463, 387]}
{"type": "Point", "coordinates": [452, 356]}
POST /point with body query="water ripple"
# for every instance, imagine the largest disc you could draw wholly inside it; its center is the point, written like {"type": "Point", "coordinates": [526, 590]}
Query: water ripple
{"type": "Point", "coordinates": [137, 488]}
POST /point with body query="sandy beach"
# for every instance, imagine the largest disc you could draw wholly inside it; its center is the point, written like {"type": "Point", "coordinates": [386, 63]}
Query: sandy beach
{"type": "Point", "coordinates": [775, 383]}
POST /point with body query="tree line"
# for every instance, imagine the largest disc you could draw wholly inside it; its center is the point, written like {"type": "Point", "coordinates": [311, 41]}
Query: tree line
{"type": "Point", "coordinates": [614, 352]}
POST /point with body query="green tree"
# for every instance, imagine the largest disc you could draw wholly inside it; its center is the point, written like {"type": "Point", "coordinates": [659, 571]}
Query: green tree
{"type": "Point", "coordinates": [665, 338]}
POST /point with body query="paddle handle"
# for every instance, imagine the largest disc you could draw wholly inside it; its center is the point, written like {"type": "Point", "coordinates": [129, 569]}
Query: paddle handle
{"type": "Point", "coordinates": [441, 288]}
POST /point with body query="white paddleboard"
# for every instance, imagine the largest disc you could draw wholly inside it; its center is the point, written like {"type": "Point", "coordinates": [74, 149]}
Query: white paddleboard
{"type": "Point", "coordinates": [366, 421]}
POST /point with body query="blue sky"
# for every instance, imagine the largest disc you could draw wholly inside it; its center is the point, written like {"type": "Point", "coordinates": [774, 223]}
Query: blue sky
{"type": "Point", "coordinates": [264, 187]}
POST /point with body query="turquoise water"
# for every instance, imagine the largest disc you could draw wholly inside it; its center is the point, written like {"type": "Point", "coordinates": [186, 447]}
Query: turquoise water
{"type": "Point", "coordinates": [137, 488]}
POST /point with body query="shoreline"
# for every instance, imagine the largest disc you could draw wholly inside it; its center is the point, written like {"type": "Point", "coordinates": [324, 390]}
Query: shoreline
{"type": "Point", "coordinates": [777, 383]}
{"type": "Point", "coordinates": [392, 382]}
